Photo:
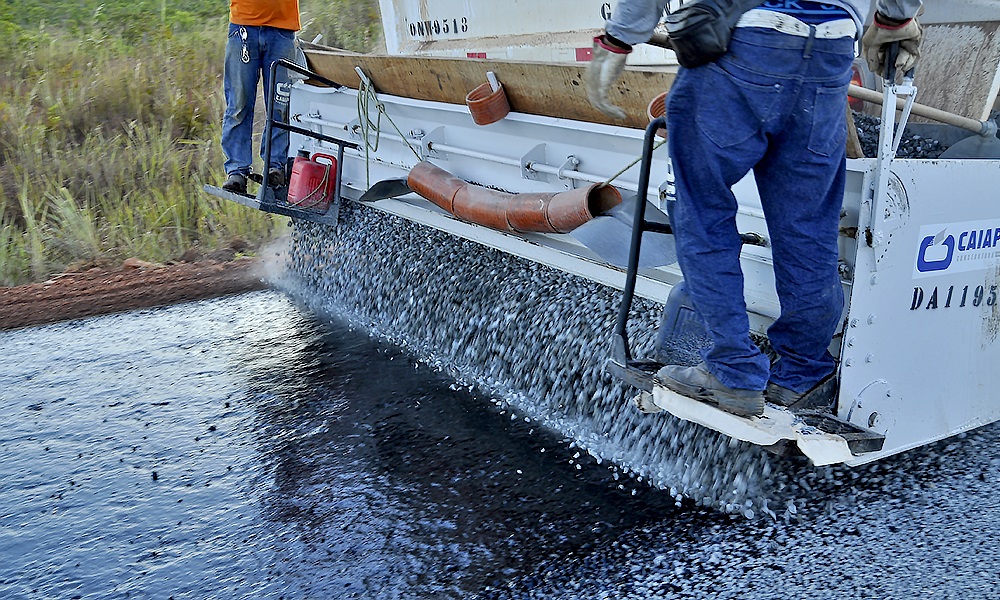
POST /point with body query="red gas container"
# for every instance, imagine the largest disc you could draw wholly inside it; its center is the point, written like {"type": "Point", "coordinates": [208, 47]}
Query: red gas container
{"type": "Point", "coordinates": [312, 182]}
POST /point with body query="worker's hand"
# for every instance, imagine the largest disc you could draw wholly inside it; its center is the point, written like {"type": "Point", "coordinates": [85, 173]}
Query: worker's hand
{"type": "Point", "coordinates": [884, 31]}
{"type": "Point", "coordinates": [605, 68]}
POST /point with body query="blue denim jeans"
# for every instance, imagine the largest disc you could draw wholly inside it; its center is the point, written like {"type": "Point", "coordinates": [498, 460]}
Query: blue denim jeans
{"type": "Point", "coordinates": [249, 54]}
{"type": "Point", "coordinates": [774, 104]}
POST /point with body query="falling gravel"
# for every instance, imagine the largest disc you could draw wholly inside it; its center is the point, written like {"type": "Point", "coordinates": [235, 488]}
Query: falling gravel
{"type": "Point", "coordinates": [535, 340]}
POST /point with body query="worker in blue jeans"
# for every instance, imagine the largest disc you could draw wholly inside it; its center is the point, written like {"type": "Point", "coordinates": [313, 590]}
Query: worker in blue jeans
{"type": "Point", "coordinates": [774, 104]}
{"type": "Point", "coordinates": [260, 33]}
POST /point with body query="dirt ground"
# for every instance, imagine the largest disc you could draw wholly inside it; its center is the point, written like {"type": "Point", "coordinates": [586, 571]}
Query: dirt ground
{"type": "Point", "coordinates": [134, 284]}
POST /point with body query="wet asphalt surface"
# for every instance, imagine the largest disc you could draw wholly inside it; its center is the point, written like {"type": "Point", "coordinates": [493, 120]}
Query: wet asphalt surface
{"type": "Point", "coordinates": [239, 448]}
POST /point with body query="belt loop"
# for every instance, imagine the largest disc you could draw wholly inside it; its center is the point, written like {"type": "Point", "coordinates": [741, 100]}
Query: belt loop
{"type": "Point", "coordinates": [807, 53]}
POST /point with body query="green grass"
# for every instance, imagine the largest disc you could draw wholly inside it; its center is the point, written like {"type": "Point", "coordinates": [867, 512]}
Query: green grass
{"type": "Point", "coordinates": [110, 126]}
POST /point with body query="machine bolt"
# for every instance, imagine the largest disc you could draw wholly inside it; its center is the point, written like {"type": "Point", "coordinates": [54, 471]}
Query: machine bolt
{"type": "Point", "coordinates": [873, 419]}
{"type": "Point", "coordinates": [854, 322]}
{"type": "Point", "coordinates": [850, 342]}
{"type": "Point", "coordinates": [848, 362]}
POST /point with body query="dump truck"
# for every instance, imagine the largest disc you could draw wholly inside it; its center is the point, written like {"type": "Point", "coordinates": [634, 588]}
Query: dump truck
{"type": "Point", "coordinates": [475, 123]}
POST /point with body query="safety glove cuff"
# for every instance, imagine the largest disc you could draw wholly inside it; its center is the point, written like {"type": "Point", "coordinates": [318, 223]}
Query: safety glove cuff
{"type": "Point", "coordinates": [605, 69]}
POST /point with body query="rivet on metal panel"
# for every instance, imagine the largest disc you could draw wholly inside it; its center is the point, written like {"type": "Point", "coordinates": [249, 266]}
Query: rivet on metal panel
{"type": "Point", "coordinates": [870, 358]}
{"type": "Point", "coordinates": [873, 419]}
{"type": "Point", "coordinates": [850, 342]}
{"type": "Point", "coordinates": [848, 362]}
{"type": "Point", "coordinates": [871, 319]}
{"type": "Point", "coordinates": [854, 322]}
{"type": "Point", "coordinates": [874, 279]}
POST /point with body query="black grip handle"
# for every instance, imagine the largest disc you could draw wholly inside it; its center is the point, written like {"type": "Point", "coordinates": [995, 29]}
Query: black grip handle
{"type": "Point", "coordinates": [891, 54]}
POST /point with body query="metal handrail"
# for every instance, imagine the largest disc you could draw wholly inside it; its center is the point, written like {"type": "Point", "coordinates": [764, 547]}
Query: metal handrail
{"type": "Point", "coordinates": [266, 197]}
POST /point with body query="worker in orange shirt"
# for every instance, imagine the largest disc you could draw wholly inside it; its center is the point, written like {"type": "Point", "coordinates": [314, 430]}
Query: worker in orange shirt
{"type": "Point", "coordinates": [260, 33]}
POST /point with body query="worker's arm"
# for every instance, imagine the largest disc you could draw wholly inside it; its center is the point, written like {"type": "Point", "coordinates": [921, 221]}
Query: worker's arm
{"type": "Point", "coordinates": [899, 10]}
{"type": "Point", "coordinates": [894, 21]}
{"type": "Point", "coordinates": [632, 22]}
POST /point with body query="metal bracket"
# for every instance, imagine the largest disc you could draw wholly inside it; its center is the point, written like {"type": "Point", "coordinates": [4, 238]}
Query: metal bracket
{"type": "Point", "coordinates": [427, 142]}
{"type": "Point", "coordinates": [571, 163]}
{"type": "Point", "coordinates": [535, 155]}
{"type": "Point", "coordinates": [354, 130]}
{"type": "Point", "coordinates": [317, 129]}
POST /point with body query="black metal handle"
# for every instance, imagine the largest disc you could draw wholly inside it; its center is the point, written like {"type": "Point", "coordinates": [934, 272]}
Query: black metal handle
{"type": "Point", "coordinates": [620, 351]}
{"type": "Point", "coordinates": [638, 226]}
{"type": "Point", "coordinates": [891, 54]}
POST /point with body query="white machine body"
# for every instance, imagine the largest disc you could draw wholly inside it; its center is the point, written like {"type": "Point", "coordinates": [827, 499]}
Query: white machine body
{"type": "Point", "coordinates": [920, 239]}
{"type": "Point", "coordinates": [920, 258]}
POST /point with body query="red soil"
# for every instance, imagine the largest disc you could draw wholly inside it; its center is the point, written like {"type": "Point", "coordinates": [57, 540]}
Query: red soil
{"type": "Point", "coordinates": [133, 285]}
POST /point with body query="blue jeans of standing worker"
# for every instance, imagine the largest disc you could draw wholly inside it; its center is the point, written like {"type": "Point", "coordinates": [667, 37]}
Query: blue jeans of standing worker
{"type": "Point", "coordinates": [774, 104]}
{"type": "Point", "coordinates": [250, 51]}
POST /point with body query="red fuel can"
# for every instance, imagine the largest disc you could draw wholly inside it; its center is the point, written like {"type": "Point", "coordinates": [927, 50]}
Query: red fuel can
{"type": "Point", "coordinates": [312, 182]}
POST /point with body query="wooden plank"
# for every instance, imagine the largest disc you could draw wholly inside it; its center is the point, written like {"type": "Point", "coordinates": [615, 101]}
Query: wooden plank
{"type": "Point", "coordinates": [959, 65]}
{"type": "Point", "coordinates": [549, 89]}
{"type": "Point", "coordinates": [853, 141]}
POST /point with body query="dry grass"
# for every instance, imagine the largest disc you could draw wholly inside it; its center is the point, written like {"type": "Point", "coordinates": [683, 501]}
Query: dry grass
{"type": "Point", "coordinates": [106, 142]}
{"type": "Point", "coordinates": [104, 150]}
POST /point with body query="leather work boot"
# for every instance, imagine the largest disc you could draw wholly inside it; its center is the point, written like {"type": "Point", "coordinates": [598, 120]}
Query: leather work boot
{"type": "Point", "coordinates": [276, 177]}
{"type": "Point", "coordinates": [782, 396]}
{"type": "Point", "coordinates": [236, 183]}
{"type": "Point", "coordinates": [696, 382]}
{"type": "Point", "coordinates": [822, 397]}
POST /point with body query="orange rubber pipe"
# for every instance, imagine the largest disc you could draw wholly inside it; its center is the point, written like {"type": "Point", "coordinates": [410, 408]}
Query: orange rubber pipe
{"type": "Point", "coordinates": [554, 212]}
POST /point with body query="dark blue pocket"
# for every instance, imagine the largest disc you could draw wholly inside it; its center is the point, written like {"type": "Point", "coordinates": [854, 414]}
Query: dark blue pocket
{"type": "Point", "coordinates": [731, 109]}
{"type": "Point", "coordinates": [828, 135]}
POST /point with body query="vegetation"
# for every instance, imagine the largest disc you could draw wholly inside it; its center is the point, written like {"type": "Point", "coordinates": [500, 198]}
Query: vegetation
{"type": "Point", "coordinates": [110, 119]}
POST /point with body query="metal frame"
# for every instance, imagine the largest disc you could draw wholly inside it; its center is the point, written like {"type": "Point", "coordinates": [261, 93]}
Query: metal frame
{"type": "Point", "coordinates": [636, 373]}
{"type": "Point", "coordinates": [276, 202]}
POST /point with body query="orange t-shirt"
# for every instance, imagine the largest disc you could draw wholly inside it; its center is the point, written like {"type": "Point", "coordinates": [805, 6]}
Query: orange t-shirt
{"type": "Point", "coordinates": [283, 14]}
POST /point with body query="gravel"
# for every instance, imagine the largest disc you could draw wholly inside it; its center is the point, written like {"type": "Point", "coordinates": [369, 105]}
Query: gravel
{"type": "Point", "coordinates": [911, 145]}
{"type": "Point", "coordinates": [535, 340]}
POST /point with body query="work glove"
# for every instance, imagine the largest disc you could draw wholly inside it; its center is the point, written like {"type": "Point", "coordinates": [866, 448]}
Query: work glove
{"type": "Point", "coordinates": [606, 65]}
{"type": "Point", "coordinates": [884, 31]}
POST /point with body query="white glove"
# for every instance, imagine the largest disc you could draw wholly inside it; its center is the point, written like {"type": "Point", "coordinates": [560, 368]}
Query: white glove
{"type": "Point", "coordinates": [605, 68]}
